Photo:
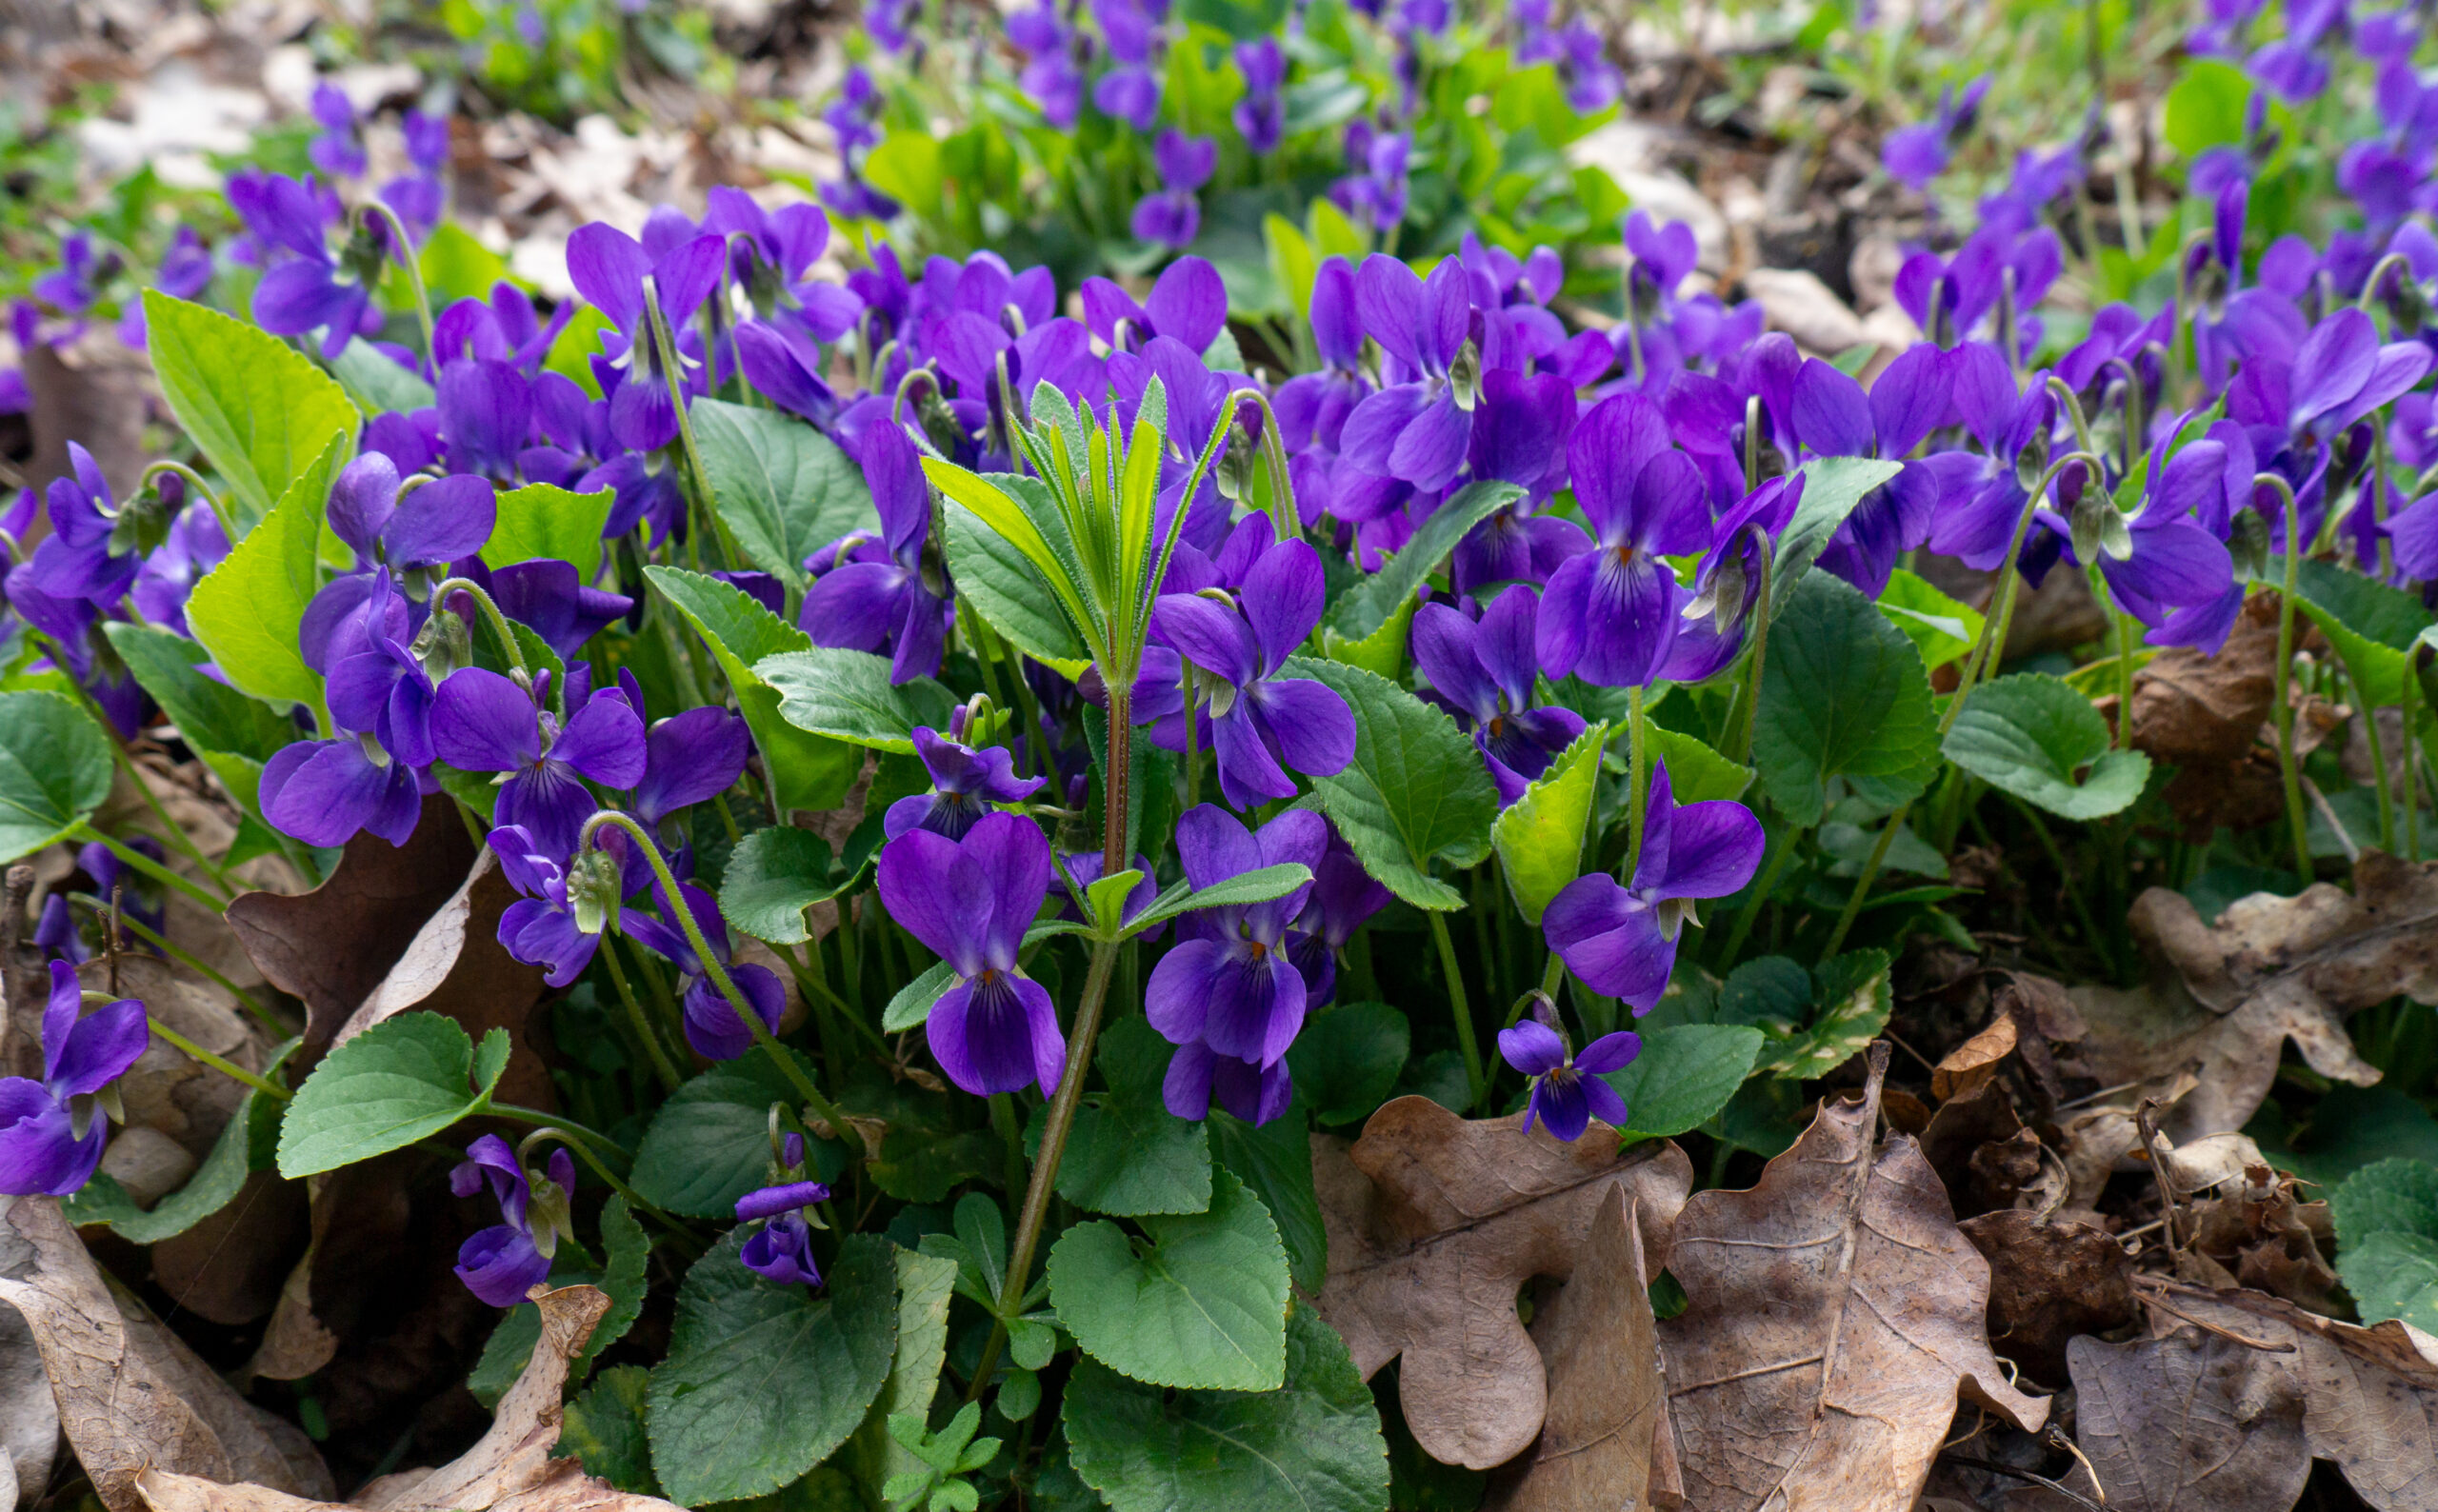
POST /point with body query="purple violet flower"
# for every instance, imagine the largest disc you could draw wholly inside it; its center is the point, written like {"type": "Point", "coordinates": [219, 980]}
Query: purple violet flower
{"type": "Point", "coordinates": [437, 522]}
{"type": "Point", "coordinates": [781, 1249]}
{"type": "Point", "coordinates": [194, 546]}
{"type": "Point", "coordinates": [1173, 215]}
{"type": "Point", "coordinates": [608, 267]}
{"type": "Point", "coordinates": [1621, 940]}
{"type": "Point", "coordinates": [503, 1262]}
{"type": "Point", "coordinates": [482, 722]}
{"type": "Point", "coordinates": [970, 901]}
{"type": "Point", "coordinates": [51, 1131]}
{"type": "Point", "coordinates": [77, 561]}
{"type": "Point", "coordinates": [1916, 155]}
{"type": "Point", "coordinates": [335, 150]}
{"type": "Point", "coordinates": [713, 1026]}
{"type": "Point", "coordinates": [891, 595]}
{"type": "Point", "coordinates": [1566, 1092]}
{"type": "Point", "coordinates": [1482, 674]}
{"type": "Point", "coordinates": [539, 927]}
{"type": "Point", "coordinates": [1609, 616]}
{"type": "Point", "coordinates": [1261, 115]}
{"type": "Point", "coordinates": [965, 783]}
{"type": "Point", "coordinates": [1417, 427]}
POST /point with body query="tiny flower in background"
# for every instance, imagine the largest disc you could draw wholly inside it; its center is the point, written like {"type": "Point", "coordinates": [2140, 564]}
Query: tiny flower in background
{"type": "Point", "coordinates": [501, 1263]}
{"type": "Point", "coordinates": [335, 150]}
{"type": "Point", "coordinates": [970, 901]}
{"type": "Point", "coordinates": [1916, 155]}
{"type": "Point", "coordinates": [781, 1249]}
{"type": "Point", "coordinates": [1130, 91]}
{"type": "Point", "coordinates": [1172, 216]}
{"type": "Point", "coordinates": [1567, 1092]}
{"type": "Point", "coordinates": [965, 783]}
{"type": "Point", "coordinates": [51, 1131]}
{"type": "Point", "coordinates": [76, 284]}
{"type": "Point", "coordinates": [85, 557]}
{"type": "Point", "coordinates": [1621, 940]}
{"type": "Point", "coordinates": [1261, 115]}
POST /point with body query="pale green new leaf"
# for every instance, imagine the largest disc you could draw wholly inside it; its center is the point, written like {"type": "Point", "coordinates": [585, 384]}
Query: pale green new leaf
{"type": "Point", "coordinates": [812, 772]}
{"type": "Point", "coordinates": [261, 411]}
{"type": "Point", "coordinates": [541, 521]}
{"type": "Point", "coordinates": [246, 610]}
{"type": "Point", "coordinates": [1540, 835]}
{"type": "Point", "coordinates": [1941, 628]}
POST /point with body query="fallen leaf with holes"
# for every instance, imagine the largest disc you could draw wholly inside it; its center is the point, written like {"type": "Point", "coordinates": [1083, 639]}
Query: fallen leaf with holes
{"type": "Point", "coordinates": [2193, 1420]}
{"type": "Point", "coordinates": [510, 1468]}
{"type": "Point", "coordinates": [2370, 1395]}
{"type": "Point", "coordinates": [1833, 1312]}
{"type": "Point", "coordinates": [130, 1394]}
{"type": "Point", "coordinates": [2048, 1282]}
{"type": "Point", "coordinates": [1434, 1222]}
{"type": "Point", "coordinates": [1599, 1338]}
{"type": "Point", "coordinates": [331, 946]}
{"type": "Point", "coordinates": [2225, 997]}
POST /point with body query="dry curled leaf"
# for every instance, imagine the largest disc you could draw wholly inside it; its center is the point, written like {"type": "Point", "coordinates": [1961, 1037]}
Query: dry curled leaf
{"type": "Point", "coordinates": [132, 1395]}
{"type": "Point", "coordinates": [331, 946]}
{"type": "Point", "coordinates": [1833, 1311]}
{"type": "Point", "coordinates": [2225, 997]}
{"type": "Point", "coordinates": [1602, 1346]}
{"type": "Point", "coordinates": [1434, 1224]}
{"type": "Point", "coordinates": [2192, 1420]}
{"type": "Point", "coordinates": [2050, 1281]}
{"type": "Point", "coordinates": [1973, 1062]}
{"type": "Point", "coordinates": [2259, 1235]}
{"type": "Point", "coordinates": [510, 1468]}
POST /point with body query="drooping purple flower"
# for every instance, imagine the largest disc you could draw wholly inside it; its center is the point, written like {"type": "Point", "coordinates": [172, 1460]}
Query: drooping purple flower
{"type": "Point", "coordinates": [1417, 427]}
{"type": "Point", "coordinates": [1343, 897]}
{"type": "Point", "coordinates": [965, 783]}
{"type": "Point", "coordinates": [549, 598]}
{"type": "Point", "coordinates": [1727, 589]}
{"type": "Point", "coordinates": [608, 268]}
{"type": "Point", "coordinates": [2176, 564]}
{"type": "Point", "coordinates": [194, 546]}
{"type": "Point", "coordinates": [891, 595]}
{"type": "Point", "coordinates": [482, 722]}
{"type": "Point", "coordinates": [503, 1262]}
{"type": "Point", "coordinates": [78, 560]}
{"type": "Point", "coordinates": [970, 901]}
{"type": "Point", "coordinates": [781, 1249]}
{"type": "Point", "coordinates": [1566, 1092]}
{"type": "Point", "coordinates": [1916, 155]}
{"type": "Point", "coordinates": [1609, 616]}
{"type": "Point", "coordinates": [689, 759]}
{"type": "Point", "coordinates": [713, 1026]}
{"type": "Point", "coordinates": [375, 683]}
{"type": "Point", "coordinates": [1261, 115]}
{"type": "Point", "coordinates": [51, 1131]}
{"type": "Point", "coordinates": [1262, 725]}
{"type": "Point", "coordinates": [1189, 303]}
{"type": "Point", "coordinates": [324, 791]}
{"type": "Point", "coordinates": [437, 522]}
{"type": "Point", "coordinates": [1228, 993]}
{"type": "Point", "coordinates": [1172, 214]}
{"type": "Point", "coordinates": [539, 927]}
{"type": "Point", "coordinates": [1483, 673]}
{"type": "Point", "coordinates": [1621, 940]}
{"type": "Point", "coordinates": [74, 286]}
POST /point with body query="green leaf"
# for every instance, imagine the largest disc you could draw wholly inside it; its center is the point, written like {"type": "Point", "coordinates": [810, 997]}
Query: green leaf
{"type": "Point", "coordinates": [1314, 1446]}
{"type": "Point", "coordinates": [212, 1186]}
{"type": "Point", "coordinates": [783, 486]}
{"type": "Point", "coordinates": [2399, 1195]}
{"type": "Point", "coordinates": [1684, 1076]}
{"type": "Point", "coordinates": [54, 770]}
{"type": "Point", "coordinates": [1374, 602]}
{"type": "Point", "coordinates": [2372, 624]}
{"type": "Point", "coordinates": [1695, 773]}
{"type": "Point", "coordinates": [1843, 694]}
{"type": "Point", "coordinates": [1941, 628]}
{"type": "Point", "coordinates": [233, 734]}
{"type": "Point", "coordinates": [541, 521]}
{"type": "Point", "coordinates": [1258, 885]}
{"type": "Point", "coordinates": [1275, 1160]}
{"type": "Point", "coordinates": [925, 1283]}
{"type": "Point", "coordinates": [1854, 996]}
{"type": "Point", "coordinates": [1346, 1062]}
{"type": "Point", "coordinates": [1126, 1154]}
{"type": "Point", "coordinates": [455, 265]}
{"type": "Point", "coordinates": [2393, 1274]}
{"type": "Point", "coordinates": [763, 1381]}
{"type": "Point", "coordinates": [912, 1004]}
{"type": "Point", "coordinates": [846, 695]}
{"type": "Point", "coordinates": [375, 384]}
{"type": "Point", "coordinates": [774, 875]}
{"type": "Point", "coordinates": [710, 1142]}
{"type": "Point", "coordinates": [246, 610]}
{"type": "Point", "coordinates": [261, 411]}
{"type": "Point", "coordinates": [1010, 593]}
{"type": "Point", "coordinates": [403, 1080]}
{"type": "Point", "coordinates": [1540, 835]}
{"type": "Point", "coordinates": [1203, 1305]}
{"type": "Point", "coordinates": [1382, 652]}
{"type": "Point", "coordinates": [604, 1428]}
{"type": "Point", "coordinates": [629, 1251]}
{"type": "Point", "coordinates": [2028, 734]}
{"type": "Point", "coordinates": [1832, 488]}
{"type": "Point", "coordinates": [811, 772]}
{"type": "Point", "coordinates": [2206, 106]}
{"type": "Point", "coordinates": [1415, 790]}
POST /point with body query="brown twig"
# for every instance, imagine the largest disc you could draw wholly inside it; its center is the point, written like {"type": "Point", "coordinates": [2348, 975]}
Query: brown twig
{"type": "Point", "coordinates": [2150, 1288]}
{"type": "Point", "coordinates": [2159, 1172]}
{"type": "Point", "coordinates": [19, 888]}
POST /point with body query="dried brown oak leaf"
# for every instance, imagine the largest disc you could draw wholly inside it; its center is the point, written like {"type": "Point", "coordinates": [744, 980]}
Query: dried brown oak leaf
{"type": "Point", "coordinates": [2050, 1281]}
{"type": "Point", "coordinates": [131, 1393]}
{"type": "Point", "coordinates": [2194, 1421]}
{"type": "Point", "coordinates": [1602, 1346]}
{"type": "Point", "coordinates": [331, 946]}
{"type": "Point", "coordinates": [2224, 998]}
{"type": "Point", "coordinates": [509, 1470]}
{"type": "Point", "coordinates": [1833, 1313]}
{"type": "Point", "coordinates": [2370, 1395]}
{"type": "Point", "coordinates": [1434, 1222]}
{"type": "Point", "coordinates": [2259, 1235]}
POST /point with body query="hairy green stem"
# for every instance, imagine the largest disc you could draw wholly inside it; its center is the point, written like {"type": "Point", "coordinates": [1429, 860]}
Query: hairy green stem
{"type": "Point", "coordinates": [2282, 710]}
{"type": "Point", "coordinates": [193, 480]}
{"type": "Point", "coordinates": [185, 957]}
{"type": "Point", "coordinates": [225, 1067]}
{"type": "Point", "coordinates": [152, 868]}
{"type": "Point", "coordinates": [1459, 1006]}
{"type": "Point", "coordinates": [490, 612]}
{"type": "Point", "coordinates": [405, 248]}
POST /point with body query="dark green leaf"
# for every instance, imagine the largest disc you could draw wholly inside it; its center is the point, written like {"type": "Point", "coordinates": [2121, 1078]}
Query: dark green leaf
{"type": "Point", "coordinates": [212, 1186]}
{"type": "Point", "coordinates": [1011, 593]}
{"type": "Point", "coordinates": [2372, 624]}
{"type": "Point", "coordinates": [846, 695]}
{"type": "Point", "coordinates": [1258, 885]}
{"type": "Point", "coordinates": [1416, 790]}
{"type": "Point", "coordinates": [376, 384]}
{"type": "Point", "coordinates": [2029, 735]}
{"type": "Point", "coordinates": [925, 1282]}
{"type": "Point", "coordinates": [783, 486]}
{"type": "Point", "coordinates": [2397, 1194]}
{"type": "Point", "coordinates": [1126, 1154]}
{"type": "Point", "coordinates": [235, 734]}
{"type": "Point", "coordinates": [1346, 1062]}
{"type": "Point", "coordinates": [1373, 601]}
{"type": "Point", "coordinates": [604, 1428]}
{"type": "Point", "coordinates": [1202, 1306]}
{"type": "Point", "coordinates": [54, 770]}
{"type": "Point", "coordinates": [1684, 1076]}
{"type": "Point", "coordinates": [1832, 488]}
{"type": "Point", "coordinates": [1275, 1160]}
{"type": "Point", "coordinates": [403, 1080]}
{"type": "Point", "coordinates": [773, 877]}
{"type": "Point", "coordinates": [710, 1142]}
{"type": "Point", "coordinates": [1843, 694]}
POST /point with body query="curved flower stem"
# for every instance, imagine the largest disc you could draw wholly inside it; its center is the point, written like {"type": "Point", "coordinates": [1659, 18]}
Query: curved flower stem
{"type": "Point", "coordinates": [535, 1118]}
{"type": "Point", "coordinates": [1060, 1120]}
{"type": "Point", "coordinates": [634, 1199]}
{"type": "Point", "coordinates": [1284, 517]}
{"type": "Point", "coordinates": [2378, 274]}
{"type": "Point", "coordinates": [2282, 709]}
{"type": "Point", "coordinates": [1638, 774]}
{"type": "Point", "coordinates": [187, 958]}
{"type": "Point", "coordinates": [489, 611]}
{"type": "Point", "coordinates": [1466, 1042]}
{"type": "Point", "coordinates": [152, 868]}
{"type": "Point", "coordinates": [717, 973]}
{"type": "Point", "coordinates": [2074, 406]}
{"type": "Point", "coordinates": [905, 387]}
{"type": "Point", "coordinates": [1741, 753]}
{"type": "Point", "coordinates": [193, 480]}
{"type": "Point", "coordinates": [405, 248]}
{"type": "Point", "coordinates": [225, 1067]}
{"type": "Point", "coordinates": [641, 1022]}
{"type": "Point", "coordinates": [673, 374]}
